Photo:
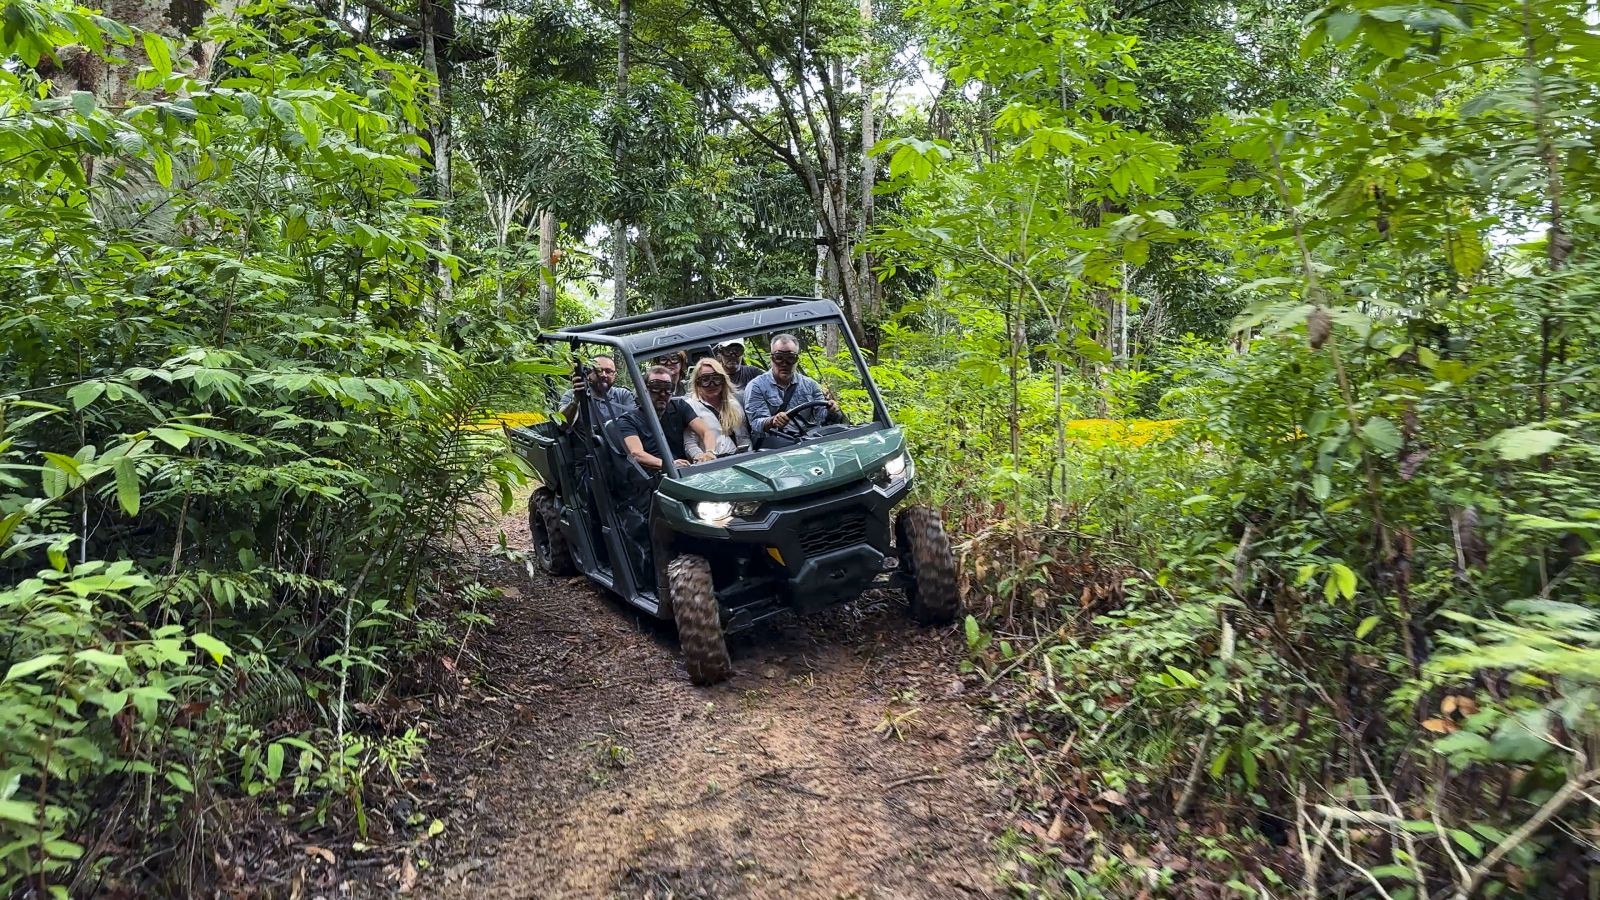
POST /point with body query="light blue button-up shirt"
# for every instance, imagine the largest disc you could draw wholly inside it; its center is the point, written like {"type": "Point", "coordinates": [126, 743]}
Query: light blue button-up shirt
{"type": "Point", "coordinates": [763, 395]}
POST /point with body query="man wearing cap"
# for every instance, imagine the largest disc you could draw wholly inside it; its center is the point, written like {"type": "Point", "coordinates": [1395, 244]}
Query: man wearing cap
{"type": "Point", "coordinates": [731, 353]}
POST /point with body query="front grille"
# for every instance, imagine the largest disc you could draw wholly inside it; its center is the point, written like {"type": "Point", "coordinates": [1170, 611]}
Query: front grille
{"type": "Point", "coordinates": [825, 533]}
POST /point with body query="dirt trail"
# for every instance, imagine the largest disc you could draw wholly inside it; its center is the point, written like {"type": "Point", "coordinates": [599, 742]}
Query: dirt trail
{"type": "Point", "coordinates": [840, 761]}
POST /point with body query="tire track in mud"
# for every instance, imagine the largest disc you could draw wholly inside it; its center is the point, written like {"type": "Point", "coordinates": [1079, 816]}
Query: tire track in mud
{"type": "Point", "coordinates": [840, 760]}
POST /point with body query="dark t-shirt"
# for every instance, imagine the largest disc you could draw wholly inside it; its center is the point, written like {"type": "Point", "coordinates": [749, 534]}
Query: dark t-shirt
{"type": "Point", "coordinates": [677, 417]}
{"type": "Point", "coordinates": [744, 375]}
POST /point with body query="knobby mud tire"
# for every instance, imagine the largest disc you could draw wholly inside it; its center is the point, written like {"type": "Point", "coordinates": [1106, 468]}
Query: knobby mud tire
{"type": "Point", "coordinates": [549, 544]}
{"type": "Point", "coordinates": [694, 608]}
{"type": "Point", "coordinates": [926, 556]}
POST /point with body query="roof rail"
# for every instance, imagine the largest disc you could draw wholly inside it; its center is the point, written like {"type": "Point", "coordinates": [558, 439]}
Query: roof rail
{"type": "Point", "coordinates": [645, 321]}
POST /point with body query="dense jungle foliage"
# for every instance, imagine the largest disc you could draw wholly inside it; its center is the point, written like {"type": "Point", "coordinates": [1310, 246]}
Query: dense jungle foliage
{"type": "Point", "coordinates": [1330, 624]}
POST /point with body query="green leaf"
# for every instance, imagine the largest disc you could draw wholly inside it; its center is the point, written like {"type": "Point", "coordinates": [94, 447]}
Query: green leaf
{"type": "Point", "coordinates": [162, 162]}
{"type": "Point", "coordinates": [1343, 580]}
{"type": "Point", "coordinates": [1467, 842]}
{"type": "Point", "coordinates": [10, 523]}
{"type": "Point", "coordinates": [1342, 24]}
{"type": "Point", "coordinates": [274, 761]}
{"type": "Point", "coordinates": [18, 811]}
{"type": "Point", "coordinates": [223, 437]}
{"type": "Point", "coordinates": [1247, 765]}
{"type": "Point", "coordinates": [435, 828]}
{"type": "Point", "coordinates": [1389, 38]}
{"type": "Point", "coordinates": [211, 645]}
{"type": "Point", "coordinates": [1381, 435]}
{"type": "Point", "coordinates": [155, 47]}
{"type": "Point", "coordinates": [174, 438]}
{"type": "Point", "coordinates": [127, 485]}
{"type": "Point", "coordinates": [1220, 764]}
{"type": "Point", "coordinates": [66, 464]}
{"type": "Point", "coordinates": [83, 102]}
{"type": "Point", "coordinates": [970, 626]}
{"type": "Point", "coordinates": [86, 393]}
{"type": "Point", "coordinates": [1366, 626]}
{"type": "Point", "coordinates": [100, 659]}
{"type": "Point", "coordinates": [28, 667]}
{"type": "Point", "coordinates": [1525, 443]}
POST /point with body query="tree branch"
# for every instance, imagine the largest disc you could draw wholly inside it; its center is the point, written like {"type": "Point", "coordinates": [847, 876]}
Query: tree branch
{"type": "Point", "coordinates": [1557, 802]}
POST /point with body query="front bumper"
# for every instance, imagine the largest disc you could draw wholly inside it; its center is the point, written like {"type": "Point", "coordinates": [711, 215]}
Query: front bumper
{"type": "Point", "coordinates": [826, 548]}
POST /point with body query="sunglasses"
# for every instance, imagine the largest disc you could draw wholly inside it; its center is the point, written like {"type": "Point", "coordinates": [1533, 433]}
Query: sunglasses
{"type": "Point", "coordinates": [659, 387]}
{"type": "Point", "coordinates": [710, 379]}
{"type": "Point", "coordinates": [785, 357]}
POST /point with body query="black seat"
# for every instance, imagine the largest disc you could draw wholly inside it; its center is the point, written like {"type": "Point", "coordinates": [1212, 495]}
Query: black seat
{"type": "Point", "coordinates": [627, 471]}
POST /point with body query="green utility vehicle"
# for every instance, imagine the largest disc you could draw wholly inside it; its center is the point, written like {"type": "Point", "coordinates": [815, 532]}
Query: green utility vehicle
{"type": "Point", "coordinates": [803, 521]}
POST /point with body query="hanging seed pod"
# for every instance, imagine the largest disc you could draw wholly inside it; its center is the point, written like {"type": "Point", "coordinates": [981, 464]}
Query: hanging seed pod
{"type": "Point", "coordinates": [1319, 325]}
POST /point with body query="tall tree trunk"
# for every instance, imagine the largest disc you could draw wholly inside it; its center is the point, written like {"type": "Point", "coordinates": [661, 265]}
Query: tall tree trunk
{"type": "Point", "coordinates": [547, 270]}
{"type": "Point", "coordinates": [619, 228]}
{"type": "Point", "coordinates": [821, 269]}
{"type": "Point", "coordinates": [438, 24]}
{"type": "Point", "coordinates": [869, 174]}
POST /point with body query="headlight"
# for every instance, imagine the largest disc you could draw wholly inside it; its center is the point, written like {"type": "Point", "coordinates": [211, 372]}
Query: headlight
{"type": "Point", "coordinates": [896, 466]}
{"type": "Point", "coordinates": [714, 512]}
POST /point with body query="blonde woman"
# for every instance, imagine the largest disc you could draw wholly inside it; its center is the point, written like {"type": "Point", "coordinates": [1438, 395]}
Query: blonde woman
{"type": "Point", "coordinates": [715, 404]}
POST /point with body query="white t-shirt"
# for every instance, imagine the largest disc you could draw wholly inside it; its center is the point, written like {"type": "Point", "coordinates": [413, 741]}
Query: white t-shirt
{"type": "Point", "coordinates": [725, 444]}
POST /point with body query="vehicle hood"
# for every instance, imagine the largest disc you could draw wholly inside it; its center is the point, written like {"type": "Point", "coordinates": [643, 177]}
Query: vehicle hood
{"type": "Point", "coordinates": [804, 469]}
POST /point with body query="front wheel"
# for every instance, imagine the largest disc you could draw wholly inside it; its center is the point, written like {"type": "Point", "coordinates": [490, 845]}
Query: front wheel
{"type": "Point", "coordinates": [930, 565]}
{"type": "Point", "coordinates": [549, 544]}
{"type": "Point", "coordinates": [694, 608]}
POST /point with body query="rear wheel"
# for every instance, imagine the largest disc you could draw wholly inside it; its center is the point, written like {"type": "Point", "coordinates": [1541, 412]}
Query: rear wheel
{"type": "Point", "coordinates": [549, 544]}
{"type": "Point", "coordinates": [694, 607]}
{"type": "Point", "coordinates": [930, 564]}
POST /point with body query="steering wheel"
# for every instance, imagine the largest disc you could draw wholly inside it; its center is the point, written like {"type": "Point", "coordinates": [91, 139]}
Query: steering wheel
{"type": "Point", "coordinates": [796, 428]}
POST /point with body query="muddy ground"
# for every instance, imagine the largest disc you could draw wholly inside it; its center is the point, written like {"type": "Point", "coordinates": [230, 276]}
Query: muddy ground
{"type": "Point", "coordinates": [843, 760]}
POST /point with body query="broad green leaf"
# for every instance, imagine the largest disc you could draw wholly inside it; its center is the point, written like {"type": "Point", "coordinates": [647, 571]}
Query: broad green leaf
{"type": "Point", "coordinates": [10, 523]}
{"type": "Point", "coordinates": [19, 811]}
{"type": "Point", "coordinates": [1467, 842]}
{"type": "Point", "coordinates": [83, 102]}
{"type": "Point", "coordinates": [211, 645]}
{"type": "Point", "coordinates": [66, 464]}
{"type": "Point", "coordinates": [86, 393]}
{"type": "Point", "coordinates": [1381, 435]}
{"type": "Point", "coordinates": [1366, 626]}
{"type": "Point", "coordinates": [102, 659]}
{"type": "Point", "coordinates": [160, 54]}
{"type": "Point", "coordinates": [28, 667]}
{"type": "Point", "coordinates": [127, 485]}
{"type": "Point", "coordinates": [1343, 579]}
{"type": "Point", "coordinates": [1389, 38]}
{"type": "Point", "coordinates": [162, 163]}
{"type": "Point", "coordinates": [1220, 763]}
{"type": "Point", "coordinates": [1525, 443]}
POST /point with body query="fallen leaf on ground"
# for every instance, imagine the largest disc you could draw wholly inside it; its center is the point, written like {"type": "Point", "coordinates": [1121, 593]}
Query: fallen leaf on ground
{"type": "Point", "coordinates": [323, 852]}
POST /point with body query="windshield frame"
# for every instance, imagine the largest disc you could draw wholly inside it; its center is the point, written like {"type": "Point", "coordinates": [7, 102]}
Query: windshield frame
{"type": "Point", "coordinates": [622, 348]}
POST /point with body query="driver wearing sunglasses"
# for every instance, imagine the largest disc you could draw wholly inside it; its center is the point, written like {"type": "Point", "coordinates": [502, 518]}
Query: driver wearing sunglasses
{"type": "Point", "coordinates": [769, 396]}
{"type": "Point", "coordinates": [675, 415]}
